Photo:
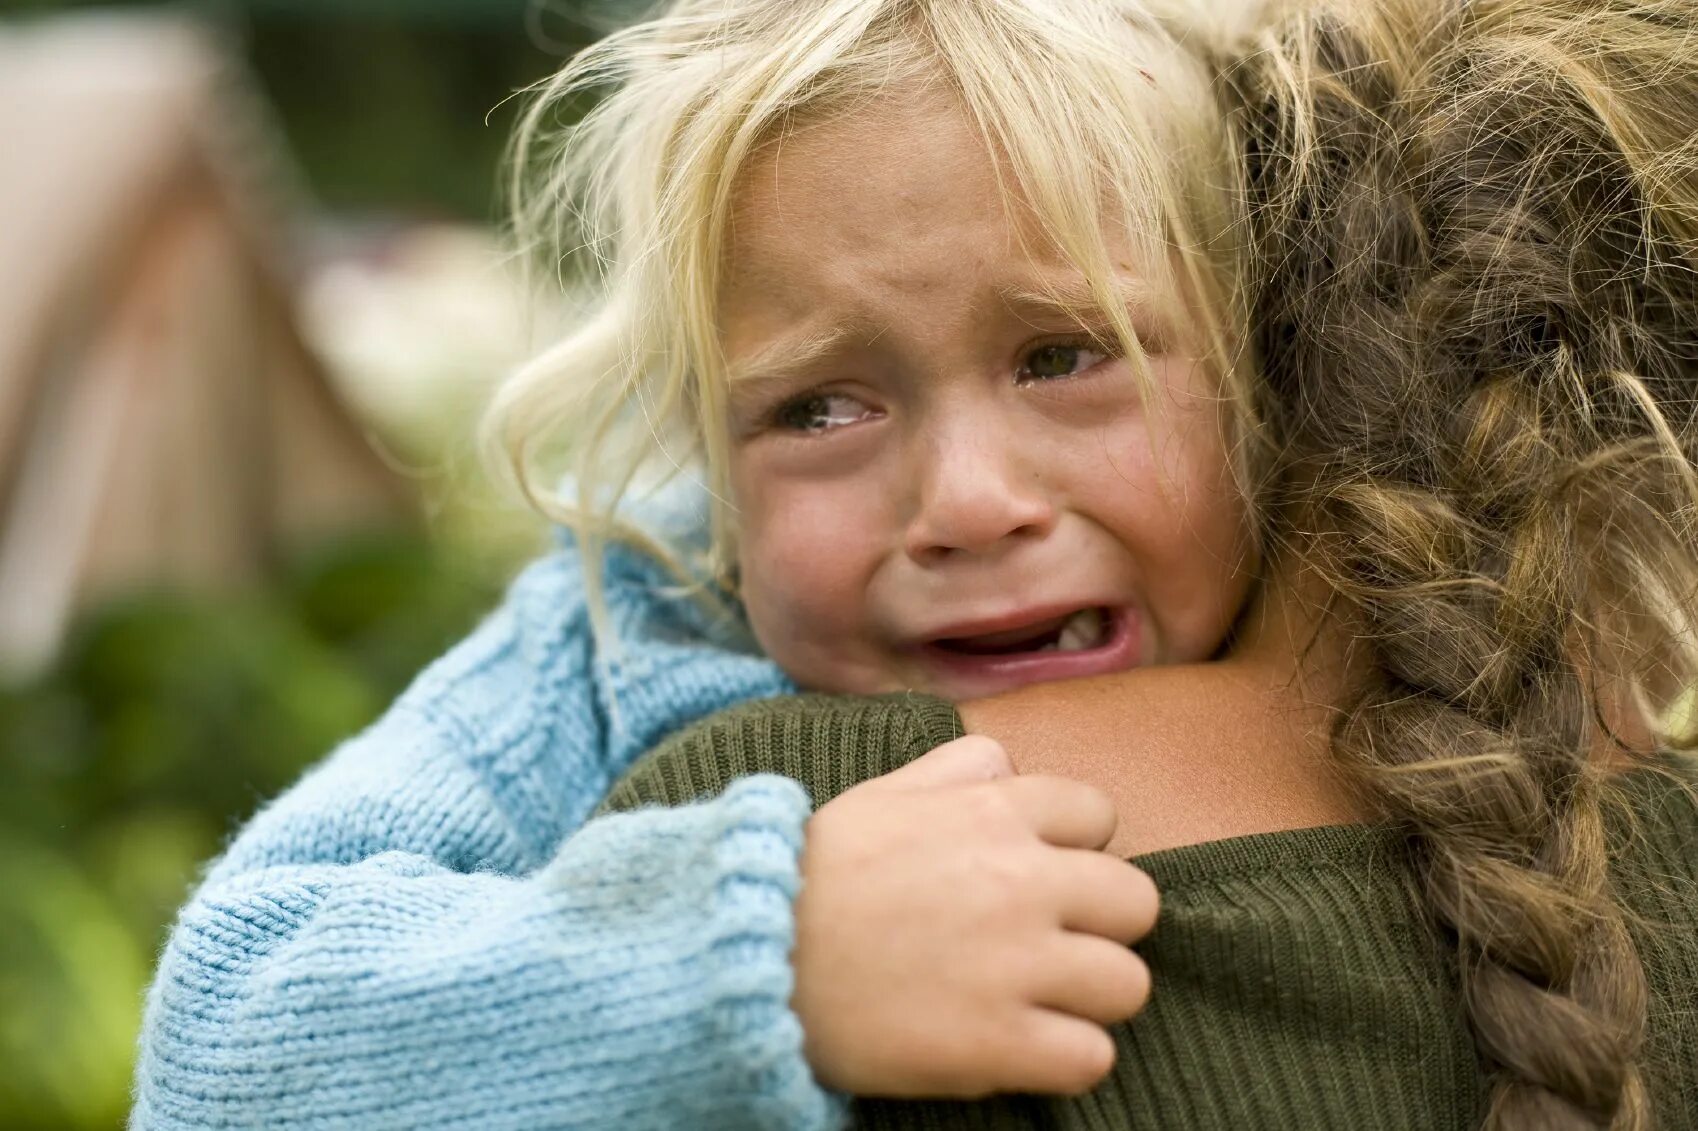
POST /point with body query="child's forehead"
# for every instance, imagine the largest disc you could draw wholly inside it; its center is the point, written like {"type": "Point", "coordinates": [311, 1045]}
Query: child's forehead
{"type": "Point", "coordinates": [876, 148]}
{"type": "Point", "coordinates": [912, 179]}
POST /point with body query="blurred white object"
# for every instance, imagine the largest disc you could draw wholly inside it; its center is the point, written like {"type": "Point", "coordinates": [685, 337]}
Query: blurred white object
{"type": "Point", "coordinates": [417, 325]}
{"type": "Point", "coordinates": [161, 420]}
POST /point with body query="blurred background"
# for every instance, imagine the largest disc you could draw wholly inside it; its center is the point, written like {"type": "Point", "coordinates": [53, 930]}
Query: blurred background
{"type": "Point", "coordinates": [253, 294]}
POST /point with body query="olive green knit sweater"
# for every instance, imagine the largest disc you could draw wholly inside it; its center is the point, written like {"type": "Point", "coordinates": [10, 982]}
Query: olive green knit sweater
{"type": "Point", "coordinates": [1296, 984]}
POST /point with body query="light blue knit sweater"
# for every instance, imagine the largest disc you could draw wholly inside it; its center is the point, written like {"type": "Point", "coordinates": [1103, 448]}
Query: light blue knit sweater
{"type": "Point", "coordinates": [424, 932]}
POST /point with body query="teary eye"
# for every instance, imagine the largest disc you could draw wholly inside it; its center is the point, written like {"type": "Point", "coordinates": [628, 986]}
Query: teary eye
{"type": "Point", "coordinates": [819, 412]}
{"type": "Point", "coordinates": [1058, 360]}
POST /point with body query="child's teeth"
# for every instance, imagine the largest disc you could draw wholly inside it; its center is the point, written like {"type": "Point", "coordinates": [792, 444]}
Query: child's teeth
{"type": "Point", "coordinates": [1083, 630]}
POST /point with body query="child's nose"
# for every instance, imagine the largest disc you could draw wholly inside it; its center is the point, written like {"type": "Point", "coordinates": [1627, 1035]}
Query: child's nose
{"type": "Point", "coordinates": [972, 498]}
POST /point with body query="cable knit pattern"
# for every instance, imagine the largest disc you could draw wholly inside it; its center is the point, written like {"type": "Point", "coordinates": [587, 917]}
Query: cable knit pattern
{"type": "Point", "coordinates": [424, 931]}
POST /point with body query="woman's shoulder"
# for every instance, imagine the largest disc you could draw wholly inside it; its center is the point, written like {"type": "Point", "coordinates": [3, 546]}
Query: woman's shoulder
{"type": "Point", "coordinates": [1201, 755]}
{"type": "Point", "coordinates": [1189, 753]}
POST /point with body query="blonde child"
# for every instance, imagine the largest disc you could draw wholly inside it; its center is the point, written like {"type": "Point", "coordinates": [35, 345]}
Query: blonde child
{"type": "Point", "coordinates": [976, 402]}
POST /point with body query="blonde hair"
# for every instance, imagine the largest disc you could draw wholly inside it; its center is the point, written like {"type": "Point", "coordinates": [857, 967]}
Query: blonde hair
{"type": "Point", "coordinates": [1104, 120]}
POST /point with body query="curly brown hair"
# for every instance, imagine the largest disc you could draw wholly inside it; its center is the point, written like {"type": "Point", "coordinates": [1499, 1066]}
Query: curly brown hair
{"type": "Point", "coordinates": [1476, 303]}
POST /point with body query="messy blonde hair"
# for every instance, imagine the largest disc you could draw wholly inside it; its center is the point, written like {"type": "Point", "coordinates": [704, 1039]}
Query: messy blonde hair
{"type": "Point", "coordinates": [1101, 121]}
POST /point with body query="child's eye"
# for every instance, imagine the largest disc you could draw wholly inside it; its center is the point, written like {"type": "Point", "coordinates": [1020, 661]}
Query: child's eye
{"type": "Point", "coordinates": [819, 412]}
{"type": "Point", "coordinates": [1058, 360]}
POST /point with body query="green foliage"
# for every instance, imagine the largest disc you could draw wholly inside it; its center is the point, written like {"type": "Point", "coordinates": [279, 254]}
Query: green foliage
{"type": "Point", "coordinates": [172, 717]}
{"type": "Point", "coordinates": [388, 106]}
{"type": "Point", "coordinates": [169, 720]}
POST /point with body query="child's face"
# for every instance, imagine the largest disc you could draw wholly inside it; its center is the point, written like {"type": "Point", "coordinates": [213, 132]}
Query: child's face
{"type": "Point", "coordinates": [941, 483]}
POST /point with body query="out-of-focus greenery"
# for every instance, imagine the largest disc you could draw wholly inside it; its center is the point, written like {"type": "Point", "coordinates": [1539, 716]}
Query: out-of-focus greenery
{"type": "Point", "coordinates": [391, 104]}
{"type": "Point", "coordinates": [170, 719]}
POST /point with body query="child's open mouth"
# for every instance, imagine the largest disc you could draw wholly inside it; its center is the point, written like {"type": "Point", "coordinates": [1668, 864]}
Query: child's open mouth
{"type": "Point", "coordinates": [1087, 641]}
{"type": "Point", "coordinates": [1075, 632]}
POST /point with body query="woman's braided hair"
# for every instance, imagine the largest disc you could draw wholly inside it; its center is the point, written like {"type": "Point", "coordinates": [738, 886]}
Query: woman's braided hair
{"type": "Point", "coordinates": [1477, 310]}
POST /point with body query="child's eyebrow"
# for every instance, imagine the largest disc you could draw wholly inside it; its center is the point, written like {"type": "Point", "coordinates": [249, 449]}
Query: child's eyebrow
{"type": "Point", "coordinates": [1072, 299]}
{"type": "Point", "coordinates": [780, 361]}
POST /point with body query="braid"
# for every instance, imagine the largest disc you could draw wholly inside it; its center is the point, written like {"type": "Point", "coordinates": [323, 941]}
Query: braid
{"type": "Point", "coordinates": [1478, 318]}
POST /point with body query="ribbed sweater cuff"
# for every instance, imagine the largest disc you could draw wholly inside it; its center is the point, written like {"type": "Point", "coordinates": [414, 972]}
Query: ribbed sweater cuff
{"type": "Point", "coordinates": [756, 875]}
{"type": "Point", "coordinates": [750, 759]}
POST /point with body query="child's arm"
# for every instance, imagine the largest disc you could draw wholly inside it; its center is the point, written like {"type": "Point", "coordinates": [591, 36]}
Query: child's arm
{"type": "Point", "coordinates": [408, 939]}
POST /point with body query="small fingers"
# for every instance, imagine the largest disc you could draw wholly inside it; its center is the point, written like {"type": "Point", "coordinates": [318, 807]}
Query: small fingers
{"type": "Point", "coordinates": [1056, 1053]}
{"type": "Point", "coordinates": [1062, 811]}
{"type": "Point", "coordinates": [1103, 895]}
{"type": "Point", "coordinates": [969, 759]}
{"type": "Point", "coordinates": [1094, 979]}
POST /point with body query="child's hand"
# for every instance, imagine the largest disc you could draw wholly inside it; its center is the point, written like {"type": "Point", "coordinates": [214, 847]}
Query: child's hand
{"type": "Point", "coordinates": [959, 933]}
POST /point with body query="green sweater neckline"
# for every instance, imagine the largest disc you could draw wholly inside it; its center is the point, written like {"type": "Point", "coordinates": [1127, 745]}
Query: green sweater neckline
{"type": "Point", "coordinates": [1277, 850]}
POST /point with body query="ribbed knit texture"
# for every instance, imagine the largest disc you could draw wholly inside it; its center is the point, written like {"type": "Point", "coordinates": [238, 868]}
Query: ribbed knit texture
{"type": "Point", "coordinates": [1295, 982]}
{"type": "Point", "coordinates": [826, 742]}
{"type": "Point", "coordinates": [410, 938]}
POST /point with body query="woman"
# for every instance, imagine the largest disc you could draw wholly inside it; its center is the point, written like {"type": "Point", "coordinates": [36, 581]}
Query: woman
{"type": "Point", "coordinates": [1476, 318]}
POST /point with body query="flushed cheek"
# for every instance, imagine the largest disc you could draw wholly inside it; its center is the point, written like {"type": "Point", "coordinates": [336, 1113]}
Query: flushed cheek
{"type": "Point", "coordinates": [1178, 513]}
{"type": "Point", "coordinates": [806, 567]}
{"type": "Point", "coordinates": [1201, 599]}
{"type": "Point", "coordinates": [1202, 576]}
{"type": "Point", "coordinates": [799, 585]}
{"type": "Point", "coordinates": [820, 635]}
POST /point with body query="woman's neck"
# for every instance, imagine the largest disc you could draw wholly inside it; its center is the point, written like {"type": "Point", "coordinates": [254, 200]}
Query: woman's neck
{"type": "Point", "coordinates": [1295, 630]}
